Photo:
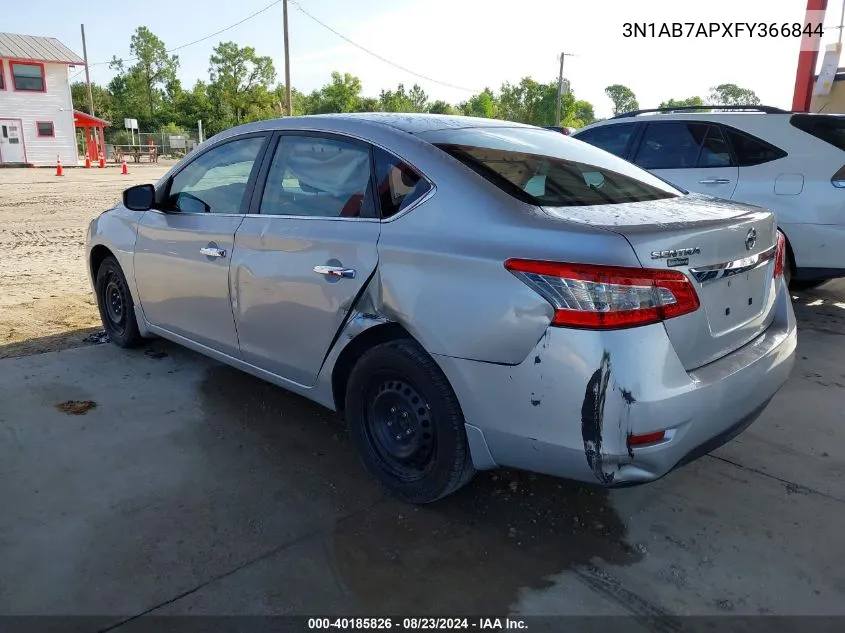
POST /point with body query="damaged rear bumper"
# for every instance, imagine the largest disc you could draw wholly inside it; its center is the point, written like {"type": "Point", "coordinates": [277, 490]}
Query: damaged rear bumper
{"type": "Point", "coordinates": [569, 408]}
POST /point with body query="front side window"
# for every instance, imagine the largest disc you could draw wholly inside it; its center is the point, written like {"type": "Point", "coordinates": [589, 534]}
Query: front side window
{"type": "Point", "coordinates": [27, 77]}
{"type": "Point", "coordinates": [216, 181]}
{"type": "Point", "coordinates": [610, 138]}
{"type": "Point", "coordinates": [549, 169]}
{"type": "Point", "coordinates": [2, 76]}
{"type": "Point", "coordinates": [399, 184]}
{"type": "Point", "coordinates": [319, 177]}
{"type": "Point", "coordinates": [45, 128]}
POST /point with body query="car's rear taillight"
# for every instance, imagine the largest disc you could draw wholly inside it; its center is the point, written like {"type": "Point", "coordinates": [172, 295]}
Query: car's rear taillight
{"type": "Point", "coordinates": [607, 297]}
{"type": "Point", "coordinates": [838, 179]}
{"type": "Point", "coordinates": [780, 255]}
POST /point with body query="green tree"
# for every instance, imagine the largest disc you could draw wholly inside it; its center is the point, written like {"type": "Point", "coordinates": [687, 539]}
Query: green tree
{"type": "Point", "coordinates": [679, 103]}
{"type": "Point", "coordinates": [584, 113]}
{"type": "Point", "coordinates": [623, 98]}
{"type": "Point", "coordinates": [441, 107]}
{"type": "Point", "coordinates": [153, 68]}
{"type": "Point", "coordinates": [415, 100]}
{"type": "Point", "coordinates": [298, 101]}
{"type": "Point", "coordinates": [369, 104]}
{"type": "Point", "coordinates": [103, 101]}
{"type": "Point", "coordinates": [731, 94]}
{"type": "Point", "coordinates": [240, 88]}
{"type": "Point", "coordinates": [341, 94]}
{"type": "Point", "coordinates": [528, 102]}
{"type": "Point", "coordinates": [484, 104]}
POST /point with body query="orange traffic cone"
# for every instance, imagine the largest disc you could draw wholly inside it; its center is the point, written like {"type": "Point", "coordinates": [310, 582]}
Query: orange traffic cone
{"type": "Point", "coordinates": [59, 170]}
{"type": "Point", "coordinates": [102, 161]}
{"type": "Point", "coordinates": [87, 162]}
{"type": "Point", "coordinates": [123, 169]}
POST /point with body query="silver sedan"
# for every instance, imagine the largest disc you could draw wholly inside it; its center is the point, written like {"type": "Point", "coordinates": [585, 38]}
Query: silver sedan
{"type": "Point", "coordinates": [468, 293]}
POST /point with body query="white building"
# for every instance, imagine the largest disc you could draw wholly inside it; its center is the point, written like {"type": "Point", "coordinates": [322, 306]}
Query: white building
{"type": "Point", "coordinates": [36, 109]}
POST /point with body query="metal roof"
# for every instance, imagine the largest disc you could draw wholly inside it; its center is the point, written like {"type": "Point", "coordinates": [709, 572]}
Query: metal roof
{"type": "Point", "coordinates": [41, 49]}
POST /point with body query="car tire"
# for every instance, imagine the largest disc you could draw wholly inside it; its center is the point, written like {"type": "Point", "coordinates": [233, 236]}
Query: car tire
{"type": "Point", "coordinates": [117, 310]}
{"type": "Point", "coordinates": [406, 423]}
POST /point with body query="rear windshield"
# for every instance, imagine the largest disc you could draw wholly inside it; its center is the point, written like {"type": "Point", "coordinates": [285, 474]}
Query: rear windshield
{"type": "Point", "coordinates": [549, 169]}
{"type": "Point", "coordinates": [830, 128]}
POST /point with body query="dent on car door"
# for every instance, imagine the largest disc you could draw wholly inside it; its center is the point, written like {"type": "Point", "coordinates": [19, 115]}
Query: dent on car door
{"type": "Point", "coordinates": [184, 246]}
{"type": "Point", "coordinates": [301, 261]}
{"type": "Point", "coordinates": [692, 155]}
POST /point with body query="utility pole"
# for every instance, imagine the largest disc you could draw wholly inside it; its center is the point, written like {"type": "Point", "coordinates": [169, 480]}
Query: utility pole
{"type": "Point", "coordinates": [287, 58]}
{"type": "Point", "coordinates": [87, 74]}
{"type": "Point", "coordinates": [841, 22]}
{"type": "Point", "coordinates": [560, 86]}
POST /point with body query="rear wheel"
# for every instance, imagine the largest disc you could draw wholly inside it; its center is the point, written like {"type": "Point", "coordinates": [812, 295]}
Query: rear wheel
{"type": "Point", "coordinates": [406, 423]}
{"type": "Point", "coordinates": [117, 310]}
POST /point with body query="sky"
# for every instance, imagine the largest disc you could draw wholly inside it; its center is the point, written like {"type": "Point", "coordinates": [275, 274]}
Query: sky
{"type": "Point", "coordinates": [469, 44]}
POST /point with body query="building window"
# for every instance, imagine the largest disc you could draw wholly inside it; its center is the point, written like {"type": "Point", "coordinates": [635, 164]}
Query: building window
{"type": "Point", "coordinates": [45, 128]}
{"type": "Point", "coordinates": [2, 76]}
{"type": "Point", "coordinates": [27, 76]}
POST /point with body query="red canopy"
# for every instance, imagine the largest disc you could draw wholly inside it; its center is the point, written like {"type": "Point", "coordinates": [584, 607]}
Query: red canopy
{"type": "Point", "coordinates": [81, 119]}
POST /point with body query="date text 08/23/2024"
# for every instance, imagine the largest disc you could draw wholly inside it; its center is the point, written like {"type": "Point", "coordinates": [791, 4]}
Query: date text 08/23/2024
{"type": "Point", "coordinates": [770, 30]}
{"type": "Point", "coordinates": [416, 624]}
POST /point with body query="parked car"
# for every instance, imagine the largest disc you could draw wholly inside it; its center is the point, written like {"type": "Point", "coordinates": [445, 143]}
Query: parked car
{"type": "Point", "coordinates": [562, 129]}
{"type": "Point", "coordinates": [792, 163]}
{"type": "Point", "coordinates": [468, 293]}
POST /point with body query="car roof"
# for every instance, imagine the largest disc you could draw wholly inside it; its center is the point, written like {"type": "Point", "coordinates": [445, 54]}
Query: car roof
{"type": "Point", "coordinates": [412, 123]}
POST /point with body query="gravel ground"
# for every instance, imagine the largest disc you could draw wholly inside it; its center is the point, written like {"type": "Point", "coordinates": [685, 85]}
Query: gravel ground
{"type": "Point", "coordinates": [46, 302]}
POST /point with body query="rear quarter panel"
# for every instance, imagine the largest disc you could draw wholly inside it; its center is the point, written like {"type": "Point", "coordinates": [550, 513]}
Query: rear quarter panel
{"type": "Point", "coordinates": [441, 266]}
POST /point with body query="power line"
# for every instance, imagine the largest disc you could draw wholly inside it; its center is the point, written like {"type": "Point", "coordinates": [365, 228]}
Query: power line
{"type": "Point", "coordinates": [197, 41]}
{"type": "Point", "coordinates": [376, 55]}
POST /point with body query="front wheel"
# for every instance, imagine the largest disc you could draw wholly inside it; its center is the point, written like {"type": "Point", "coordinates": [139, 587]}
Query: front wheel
{"type": "Point", "coordinates": [406, 423]}
{"type": "Point", "coordinates": [117, 309]}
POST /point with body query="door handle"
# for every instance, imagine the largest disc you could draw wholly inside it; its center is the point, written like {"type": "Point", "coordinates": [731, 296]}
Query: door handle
{"type": "Point", "coordinates": [715, 181]}
{"type": "Point", "coordinates": [209, 251]}
{"type": "Point", "coordinates": [335, 271]}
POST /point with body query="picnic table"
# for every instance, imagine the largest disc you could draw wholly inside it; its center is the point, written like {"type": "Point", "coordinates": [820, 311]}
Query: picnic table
{"type": "Point", "coordinates": [136, 152]}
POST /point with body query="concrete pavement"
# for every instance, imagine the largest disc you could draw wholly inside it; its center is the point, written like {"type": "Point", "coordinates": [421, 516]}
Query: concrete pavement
{"type": "Point", "coordinates": [192, 488]}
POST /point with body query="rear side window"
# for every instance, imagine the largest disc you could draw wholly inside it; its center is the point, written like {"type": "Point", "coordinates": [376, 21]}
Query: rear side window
{"type": "Point", "coordinates": [319, 177]}
{"type": "Point", "coordinates": [750, 150]}
{"type": "Point", "coordinates": [671, 145]}
{"type": "Point", "coordinates": [399, 184]}
{"type": "Point", "coordinates": [610, 138]}
{"type": "Point", "coordinates": [829, 128]}
{"type": "Point", "coordinates": [714, 151]}
{"type": "Point", "coordinates": [549, 169]}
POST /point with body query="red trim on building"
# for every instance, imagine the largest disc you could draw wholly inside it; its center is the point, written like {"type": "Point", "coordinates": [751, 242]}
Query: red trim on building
{"type": "Point", "coordinates": [52, 133]}
{"type": "Point", "coordinates": [2, 76]}
{"type": "Point", "coordinates": [14, 62]}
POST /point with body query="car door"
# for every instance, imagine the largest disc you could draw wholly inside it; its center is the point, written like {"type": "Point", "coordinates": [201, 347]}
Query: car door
{"type": "Point", "coordinates": [305, 252]}
{"type": "Point", "coordinates": [693, 155]}
{"type": "Point", "coordinates": [184, 246]}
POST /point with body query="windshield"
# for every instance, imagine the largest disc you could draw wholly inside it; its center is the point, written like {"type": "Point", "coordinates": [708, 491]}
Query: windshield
{"type": "Point", "coordinates": [549, 169]}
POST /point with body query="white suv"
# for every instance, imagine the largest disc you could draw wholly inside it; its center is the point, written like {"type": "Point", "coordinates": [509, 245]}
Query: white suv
{"type": "Point", "coordinates": [792, 163]}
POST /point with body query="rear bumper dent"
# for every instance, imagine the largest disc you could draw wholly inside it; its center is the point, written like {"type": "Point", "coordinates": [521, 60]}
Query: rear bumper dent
{"type": "Point", "coordinates": [568, 409]}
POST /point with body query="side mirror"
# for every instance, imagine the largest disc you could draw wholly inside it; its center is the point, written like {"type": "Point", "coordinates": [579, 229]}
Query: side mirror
{"type": "Point", "coordinates": [139, 198]}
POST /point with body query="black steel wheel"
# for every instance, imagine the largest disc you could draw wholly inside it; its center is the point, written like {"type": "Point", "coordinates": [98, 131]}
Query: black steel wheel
{"type": "Point", "coordinates": [117, 310]}
{"type": "Point", "coordinates": [406, 423]}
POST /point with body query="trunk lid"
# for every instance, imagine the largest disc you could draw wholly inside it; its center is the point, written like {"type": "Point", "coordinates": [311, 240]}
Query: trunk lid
{"type": "Point", "coordinates": [727, 249]}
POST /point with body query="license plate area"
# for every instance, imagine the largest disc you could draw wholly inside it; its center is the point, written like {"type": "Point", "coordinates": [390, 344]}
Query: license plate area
{"type": "Point", "coordinates": [733, 301]}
